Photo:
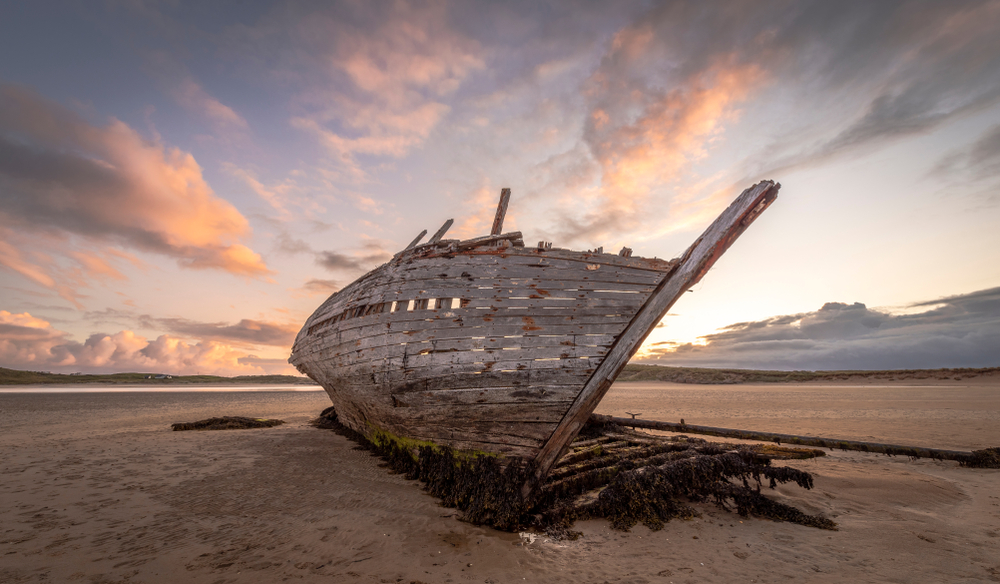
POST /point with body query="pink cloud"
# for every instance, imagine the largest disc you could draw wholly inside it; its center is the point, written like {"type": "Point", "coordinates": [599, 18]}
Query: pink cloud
{"type": "Point", "coordinates": [382, 76]}
{"type": "Point", "coordinates": [645, 142]}
{"type": "Point", "coordinates": [61, 176]}
{"type": "Point", "coordinates": [190, 95]}
{"type": "Point", "coordinates": [27, 342]}
{"type": "Point", "coordinates": [478, 209]}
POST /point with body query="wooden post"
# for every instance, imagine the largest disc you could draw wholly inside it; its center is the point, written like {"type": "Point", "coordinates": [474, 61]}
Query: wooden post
{"type": "Point", "coordinates": [698, 259]}
{"type": "Point", "coordinates": [440, 232]}
{"type": "Point", "coordinates": [501, 212]}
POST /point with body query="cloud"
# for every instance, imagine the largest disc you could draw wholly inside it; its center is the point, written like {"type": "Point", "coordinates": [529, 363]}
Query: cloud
{"type": "Point", "coordinates": [27, 342]}
{"type": "Point", "coordinates": [476, 212]}
{"type": "Point", "coordinates": [245, 332]}
{"type": "Point", "coordinates": [371, 77]}
{"type": "Point", "coordinates": [798, 83]}
{"type": "Point", "coordinates": [959, 331]}
{"type": "Point", "coordinates": [871, 72]}
{"type": "Point", "coordinates": [369, 256]}
{"type": "Point", "coordinates": [62, 177]}
{"type": "Point", "coordinates": [315, 286]}
{"type": "Point", "coordinates": [982, 157]}
{"type": "Point", "coordinates": [646, 141]}
{"type": "Point", "coordinates": [190, 95]}
{"type": "Point", "coordinates": [275, 196]}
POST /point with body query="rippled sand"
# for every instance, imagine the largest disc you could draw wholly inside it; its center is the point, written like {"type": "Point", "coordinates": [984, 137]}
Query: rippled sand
{"type": "Point", "coordinates": [96, 489]}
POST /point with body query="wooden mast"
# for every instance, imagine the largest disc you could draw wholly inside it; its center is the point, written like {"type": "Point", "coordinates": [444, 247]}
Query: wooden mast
{"type": "Point", "coordinates": [698, 259]}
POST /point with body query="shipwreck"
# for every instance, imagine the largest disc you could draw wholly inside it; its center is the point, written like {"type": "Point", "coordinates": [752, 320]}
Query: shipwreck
{"type": "Point", "coordinates": [491, 346]}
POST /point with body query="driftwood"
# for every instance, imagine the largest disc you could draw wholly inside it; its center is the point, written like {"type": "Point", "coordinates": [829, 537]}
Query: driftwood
{"type": "Point", "coordinates": [977, 458]}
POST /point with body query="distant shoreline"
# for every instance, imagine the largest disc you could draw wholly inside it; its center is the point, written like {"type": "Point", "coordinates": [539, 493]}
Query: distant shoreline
{"type": "Point", "coordinates": [632, 372]}
{"type": "Point", "coordinates": [18, 377]}
{"type": "Point", "coordinates": [704, 376]}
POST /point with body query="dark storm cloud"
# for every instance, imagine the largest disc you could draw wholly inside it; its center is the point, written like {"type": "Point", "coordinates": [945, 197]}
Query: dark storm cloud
{"type": "Point", "coordinates": [959, 331]}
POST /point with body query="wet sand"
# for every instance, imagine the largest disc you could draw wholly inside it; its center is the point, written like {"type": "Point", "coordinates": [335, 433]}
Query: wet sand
{"type": "Point", "coordinates": [97, 489]}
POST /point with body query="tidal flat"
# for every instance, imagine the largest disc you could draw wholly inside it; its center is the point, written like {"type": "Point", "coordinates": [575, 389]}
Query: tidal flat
{"type": "Point", "coordinates": [97, 488]}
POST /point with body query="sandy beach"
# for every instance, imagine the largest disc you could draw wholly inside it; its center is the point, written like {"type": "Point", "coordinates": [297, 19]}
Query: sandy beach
{"type": "Point", "coordinates": [97, 489]}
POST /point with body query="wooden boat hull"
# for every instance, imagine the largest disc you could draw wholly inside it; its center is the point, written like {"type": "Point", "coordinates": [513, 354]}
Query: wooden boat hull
{"type": "Point", "coordinates": [490, 346]}
{"type": "Point", "coordinates": [485, 350]}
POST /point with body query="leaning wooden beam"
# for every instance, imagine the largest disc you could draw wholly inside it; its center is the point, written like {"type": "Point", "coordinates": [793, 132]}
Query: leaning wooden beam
{"type": "Point", "coordinates": [440, 232]}
{"type": "Point", "coordinates": [698, 259]}
{"type": "Point", "coordinates": [501, 212]}
{"type": "Point", "coordinates": [417, 239]}
{"type": "Point", "coordinates": [890, 449]}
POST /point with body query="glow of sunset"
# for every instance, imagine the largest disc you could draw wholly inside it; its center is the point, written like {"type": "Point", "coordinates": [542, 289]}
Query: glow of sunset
{"type": "Point", "coordinates": [181, 187]}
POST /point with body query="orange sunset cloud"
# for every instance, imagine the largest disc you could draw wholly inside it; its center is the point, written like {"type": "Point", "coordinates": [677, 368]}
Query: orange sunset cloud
{"type": "Point", "coordinates": [28, 342]}
{"type": "Point", "coordinates": [63, 176]}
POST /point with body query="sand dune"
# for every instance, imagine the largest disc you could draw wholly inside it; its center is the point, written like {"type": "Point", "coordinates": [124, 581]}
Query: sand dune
{"type": "Point", "coordinates": [96, 489]}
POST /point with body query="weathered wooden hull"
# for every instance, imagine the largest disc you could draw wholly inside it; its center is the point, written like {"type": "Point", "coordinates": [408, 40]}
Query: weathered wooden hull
{"type": "Point", "coordinates": [487, 345]}
{"type": "Point", "coordinates": [512, 336]}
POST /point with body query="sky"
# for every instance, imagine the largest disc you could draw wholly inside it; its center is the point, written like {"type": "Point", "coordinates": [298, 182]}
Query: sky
{"type": "Point", "coordinates": [183, 183]}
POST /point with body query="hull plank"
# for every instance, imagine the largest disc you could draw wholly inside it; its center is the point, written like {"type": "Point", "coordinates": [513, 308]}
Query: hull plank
{"type": "Point", "coordinates": [488, 415]}
{"type": "Point", "coordinates": [536, 394]}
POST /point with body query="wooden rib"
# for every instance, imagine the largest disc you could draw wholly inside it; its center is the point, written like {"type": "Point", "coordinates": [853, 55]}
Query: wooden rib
{"type": "Point", "coordinates": [696, 262]}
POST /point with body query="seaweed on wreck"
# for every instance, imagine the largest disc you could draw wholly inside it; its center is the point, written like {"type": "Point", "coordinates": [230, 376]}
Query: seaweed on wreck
{"type": "Point", "coordinates": [985, 458]}
{"type": "Point", "coordinates": [485, 490]}
{"type": "Point", "coordinates": [651, 495]}
{"type": "Point", "coordinates": [227, 423]}
{"type": "Point", "coordinates": [639, 477]}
